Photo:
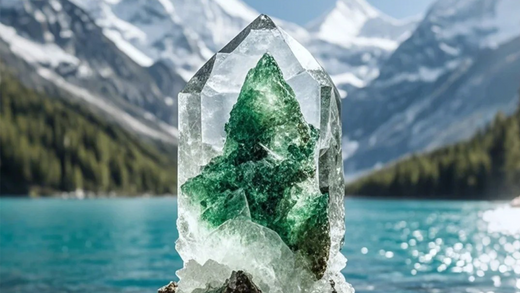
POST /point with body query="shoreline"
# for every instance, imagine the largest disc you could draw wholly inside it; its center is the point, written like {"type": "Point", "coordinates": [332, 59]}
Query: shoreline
{"type": "Point", "coordinates": [67, 196]}
{"type": "Point", "coordinates": [90, 196]}
{"type": "Point", "coordinates": [409, 198]}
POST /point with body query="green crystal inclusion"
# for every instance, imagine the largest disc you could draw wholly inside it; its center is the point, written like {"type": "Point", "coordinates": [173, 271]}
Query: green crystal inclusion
{"type": "Point", "coordinates": [267, 171]}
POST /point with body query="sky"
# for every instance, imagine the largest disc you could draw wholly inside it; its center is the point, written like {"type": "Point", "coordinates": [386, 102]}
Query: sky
{"type": "Point", "coordinates": [304, 11]}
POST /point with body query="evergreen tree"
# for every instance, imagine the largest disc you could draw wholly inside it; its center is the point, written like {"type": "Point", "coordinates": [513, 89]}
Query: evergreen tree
{"type": "Point", "coordinates": [49, 145]}
{"type": "Point", "coordinates": [487, 166]}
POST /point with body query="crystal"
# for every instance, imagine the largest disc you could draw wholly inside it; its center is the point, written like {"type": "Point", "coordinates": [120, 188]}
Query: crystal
{"type": "Point", "coordinates": [260, 169]}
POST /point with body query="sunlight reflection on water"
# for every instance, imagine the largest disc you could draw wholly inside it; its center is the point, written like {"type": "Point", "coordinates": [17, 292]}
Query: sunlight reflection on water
{"type": "Point", "coordinates": [437, 246]}
{"type": "Point", "coordinates": [127, 246]}
{"type": "Point", "coordinates": [503, 219]}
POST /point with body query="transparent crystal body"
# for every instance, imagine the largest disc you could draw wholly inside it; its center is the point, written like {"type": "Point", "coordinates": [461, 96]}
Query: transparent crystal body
{"type": "Point", "coordinates": [260, 168]}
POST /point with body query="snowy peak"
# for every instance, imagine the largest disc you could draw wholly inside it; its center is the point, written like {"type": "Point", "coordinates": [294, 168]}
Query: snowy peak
{"type": "Point", "coordinates": [343, 22]}
{"type": "Point", "coordinates": [237, 9]}
{"type": "Point", "coordinates": [57, 47]}
{"type": "Point", "coordinates": [453, 32]}
{"type": "Point", "coordinates": [181, 33]}
{"type": "Point", "coordinates": [448, 79]}
{"type": "Point", "coordinates": [149, 31]}
{"type": "Point", "coordinates": [353, 39]}
{"type": "Point", "coordinates": [355, 22]}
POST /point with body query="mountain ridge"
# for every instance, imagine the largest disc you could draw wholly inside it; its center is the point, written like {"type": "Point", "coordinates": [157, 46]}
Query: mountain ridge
{"type": "Point", "coordinates": [53, 144]}
{"type": "Point", "coordinates": [355, 18]}
{"type": "Point", "coordinates": [485, 167]}
{"type": "Point", "coordinates": [65, 48]}
{"type": "Point", "coordinates": [129, 58]}
{"type": "Point", "coordinates": [434, 89]}
{"type": "Point", "coordinates": [139, 47]}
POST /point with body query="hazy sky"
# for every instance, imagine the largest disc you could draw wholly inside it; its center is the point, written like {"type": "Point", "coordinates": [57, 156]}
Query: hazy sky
{"type": "Point", "coordinates": [303, 11]}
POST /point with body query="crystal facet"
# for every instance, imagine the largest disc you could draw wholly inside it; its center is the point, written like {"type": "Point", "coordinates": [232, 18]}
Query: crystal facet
{"type": "Point", "coordinates": [260, 169]}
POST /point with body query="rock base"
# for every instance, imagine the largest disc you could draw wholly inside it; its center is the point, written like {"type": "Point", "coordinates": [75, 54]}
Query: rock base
{"type": "Point", "coordinates": [239, 282]}
{"type": "Point", "coordinates": [170, 288]}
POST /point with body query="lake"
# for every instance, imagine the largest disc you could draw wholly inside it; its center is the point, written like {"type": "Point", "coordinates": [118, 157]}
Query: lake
{"type": "Point", "coordinates": [127, 245]}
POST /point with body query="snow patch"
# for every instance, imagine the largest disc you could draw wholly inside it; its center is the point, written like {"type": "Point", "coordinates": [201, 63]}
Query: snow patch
{"type": "Point", "coordinates": [385, 44]}
{"type": "Point", "coordinates": [168, 6]}
{"type": "Point", "coordinates": [343, 93]}
{"type": "Point", "coordinates": [237, 9]}
{"type": "Point", "coordinates": [425, 74]}
{"type": "Point", "coordinates": [172, 130]}
{"type": "Point", "coordinates": [33, 52]}
{"type": "Point", "coordinates": [84, 71]}
{"type": "Point", "coordinates": [56, 5]}
{"type": "Point", "coordinates": [168, 101]}
{"type": "Point", "coordinates": [449, 50]}
{"type": "Point", "coordinates": [123, 117]}
{"type": "Point", "coordinates": [66, 34]}
{"type": "Point", "coordinates": [127, 48]}
{"type": "Point", "coordinates": [348, 78]}
{"type": "Point", "coordinates": [39, 16]}
{"type": "Point", "coordinates": [349, 147]}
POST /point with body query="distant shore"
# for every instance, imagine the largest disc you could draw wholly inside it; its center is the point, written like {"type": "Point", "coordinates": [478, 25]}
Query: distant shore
{"type": "Point", "coordinates": [112, 195]}
{"type": "Point", "coordinates": [86, 195]}
{"type": "Point", "coordinates": [440, 198]}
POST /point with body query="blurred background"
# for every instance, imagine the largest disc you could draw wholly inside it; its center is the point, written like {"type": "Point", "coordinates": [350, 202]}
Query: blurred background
{"type": "Point", "coordinates": [431, 112]}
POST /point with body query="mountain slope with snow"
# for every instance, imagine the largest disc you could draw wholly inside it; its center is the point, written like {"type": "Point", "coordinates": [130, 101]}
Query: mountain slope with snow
{"type": "Point", "coordinates": [445, 82]}
{"type": "Point", "coordinates": [60, 46]}
{"type": "Point", "coordinates": [181, 33]}
{"type": "Point", "coordinates": [353, 39]}
{"type": "Point", "coordinates": [355, 22]}
{"type": "Point", "coordinates": [185, 33]}
{"type": "Point", "coordinates": [409, 86]}
{"type": "Point", "coordinates": [129, 58]}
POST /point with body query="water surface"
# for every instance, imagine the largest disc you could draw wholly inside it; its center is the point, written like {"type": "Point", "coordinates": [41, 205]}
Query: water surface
{"type": "Point", "coordinates": [127, 245]}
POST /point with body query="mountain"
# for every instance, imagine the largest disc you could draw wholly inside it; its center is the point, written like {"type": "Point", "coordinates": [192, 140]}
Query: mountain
{"type": "Point", "coordinates": [50, 144]}
{"type": "Point", "coordinates": [353, 39]}
{"type": "Point", "coordinates": [447, 80]}
{"type": "Point", "coordinates": [130, 58]}
{"type": "Point", "coordinates": [166, 30]}
{"type": "Point", "coordinates": [182, 33]}
{"type": "Point", "coordinates": [56, 46]}
{"type": "Point", "coordinates": [355, 22]}
{"type": "Point", "coordinates": [148, 31]}
{"type": "Point", "coordinates": [410, 85]}
{"type": "Point", "coordinates": [485, 167]}
{"type": "Point", "coordinates": [127, 59]}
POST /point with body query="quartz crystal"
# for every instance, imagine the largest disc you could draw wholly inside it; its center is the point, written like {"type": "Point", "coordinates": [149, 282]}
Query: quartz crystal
{"type": "Point", "coordinates": [260, 169]}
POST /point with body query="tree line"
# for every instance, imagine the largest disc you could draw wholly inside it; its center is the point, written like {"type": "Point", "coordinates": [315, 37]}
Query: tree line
{"type": "Point", "coordinates": [484, 167]}
{"type": "Point", "coordinates": [50, 144]}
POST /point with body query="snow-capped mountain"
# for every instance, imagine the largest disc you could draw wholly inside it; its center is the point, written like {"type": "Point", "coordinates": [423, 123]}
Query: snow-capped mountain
{"type": "Point", "coordinates": [55, 45]}
{"type": "Point", "coordinates": [129, 58]}
{"type": "Point", "coordinates": [186, 33]}
{"type": "Point", "coordinates": [353, 39]}
{"type": "Point", "coordinates": [149, 30]}
{"type": "Point", "coordinates": [355, 22]}
{"type": "Point", "coordinates": [449, 79]}
{"type": "Point", "coordinates": [182, 33]}
{"type": "Point", "coordinates": [411, 85]}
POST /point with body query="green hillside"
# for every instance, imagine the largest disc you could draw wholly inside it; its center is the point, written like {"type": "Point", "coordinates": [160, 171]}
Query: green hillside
{"type": "Point", "coordinates": [485, 167]}
{"type": "Point", "coordinates": [49, 145]}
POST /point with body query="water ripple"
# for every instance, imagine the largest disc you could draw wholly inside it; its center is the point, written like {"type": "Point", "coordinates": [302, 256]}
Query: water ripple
{"type": "Point", "coordinates": [127, 245]}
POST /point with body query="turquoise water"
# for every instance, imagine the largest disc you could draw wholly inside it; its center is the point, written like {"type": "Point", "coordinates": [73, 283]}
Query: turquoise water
{"type": "Point", "coordinates": [127, 245]}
